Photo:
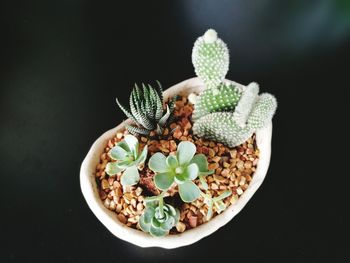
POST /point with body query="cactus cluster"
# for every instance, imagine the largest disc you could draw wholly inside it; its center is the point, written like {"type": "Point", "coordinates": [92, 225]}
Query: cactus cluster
{"type": "Point", "coordinates": [146, 110]}
{"type": "Point", "coordinates": [224, 112]}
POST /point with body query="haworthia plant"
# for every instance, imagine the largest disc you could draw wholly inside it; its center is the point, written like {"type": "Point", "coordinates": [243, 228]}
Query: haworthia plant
{"type": "Point", "coordinates": [146, 110]}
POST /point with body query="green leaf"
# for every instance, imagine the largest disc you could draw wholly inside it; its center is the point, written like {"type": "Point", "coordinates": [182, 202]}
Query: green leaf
{"type": "Point", "coordinates": [172, 162]}
{"type": "Point", "coordinates": [132, 142]}
{"type": "Point", "coordinates": [225, 194]}
{"type": "Point", "coordinates": [220, 206]}
{"type": "Point", "coordinates": [157, 232]}
{"type": "Point", "coordinates": [171, 209]}
{"type": "Point", "coordinates": [142, 157]}
{"type": "Point", "coordinates": [148, 214]}
{"type": "Point", "coordinates": [130, 176]}
{"type": "Point", "coordinates": [125, 110]}
{"type": "Point", "coordinates": [188, 191]}
{"type": "Point", "coordinates": [201, 162]}
{"type": "Point", "coordinates": [157, 163]}
{"type": "Point", "coordinates": [143, 225]}
{"type": "Point", "coordinates": [117, 153]}
{"type": "Point", "coordinates": [112, 168]}
{"type": "Point", "coordinates": [185, 152]}
{"type": "Point", "coordinates": [191, 171]}
{"type": "Point", "coordinates": [165, 117]}
{"type": "Point", "coordinates": [210, 212]}
{"type": "Point", "coordinates": [164, 180]}
{"type": "Point", "coordinates": [125, 164]}
{"type": "Point", "coordinates": [203, 182]}
{"type": "Point", "coordinates": [124, 145]}
{"type": "Point", "coordinates": [168, 224]}
{"type": "Point", "coordinates": [155, 222]}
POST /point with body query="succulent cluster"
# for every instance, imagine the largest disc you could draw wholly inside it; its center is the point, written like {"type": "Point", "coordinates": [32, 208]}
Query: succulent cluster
{"type": "Point", "coordinates": [158, 218]}
{"type": "Point", "coordinates": [182, 169]}
{"type": "Point", "coordinates": [127, 159]}
{"type": "Point", "coordinates": [224, 112]}
{"type": "Point", "coordinates": [146, 110]}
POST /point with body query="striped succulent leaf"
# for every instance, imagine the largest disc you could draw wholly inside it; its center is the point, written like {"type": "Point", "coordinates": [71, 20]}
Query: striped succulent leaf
{"type": "Point", "coordinates": [146, 109]}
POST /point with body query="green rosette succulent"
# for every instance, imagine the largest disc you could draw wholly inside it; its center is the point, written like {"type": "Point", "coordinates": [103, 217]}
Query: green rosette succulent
{"type": "Point", "coordinates": [158, 218]}
{"type": "Point", "coordinates": [182, 169]}
{"type": "Point", "coordinates": [127, 158]}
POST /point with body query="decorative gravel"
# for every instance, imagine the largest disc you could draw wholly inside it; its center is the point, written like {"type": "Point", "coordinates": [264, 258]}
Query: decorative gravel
{"type": "Point", "coordinates": [234, 169]}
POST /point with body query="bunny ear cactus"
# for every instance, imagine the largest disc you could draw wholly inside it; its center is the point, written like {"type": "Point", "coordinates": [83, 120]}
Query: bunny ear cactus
{"type": "Point", "coordinates": [225, 113]}
{"type": "Point", "coordinates": [210, 58]}
{"type": "Point", "coordinates": [182, 169]}
{"type": "Point", "coordinates": [225, 99]}
{"type": "Point", "coordinates": [127, 159]}
{"type": "Point", "coordinates": [234, 128]}
{"type": "Point", "coordinates": [146, 110]}
{"type": "Point", "coordinates": [158, 218]}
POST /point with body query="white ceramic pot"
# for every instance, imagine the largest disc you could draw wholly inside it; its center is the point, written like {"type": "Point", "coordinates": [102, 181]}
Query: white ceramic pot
{"type": "Point", "coordinates": [139, 238]}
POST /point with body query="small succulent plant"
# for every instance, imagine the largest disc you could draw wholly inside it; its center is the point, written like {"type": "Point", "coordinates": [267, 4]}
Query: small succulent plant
{"type": "Point", "coordinates": [146, 110]}
{"type": "Point", "coordinates": [127, 159]}
{"type": "Point", "coordinates": [215, 202]}
{"type": "Point", "coordinates": [158, 218]}
{"type": "Point", "coordinates": [182, 169]}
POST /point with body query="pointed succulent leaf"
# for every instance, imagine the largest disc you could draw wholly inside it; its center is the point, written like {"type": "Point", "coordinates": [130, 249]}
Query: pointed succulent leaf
{"type": "Point", "coordinates": [136, 130]}
{"type": "Point", "coordinates": [165, 117]}
{"type": "Point", "coordinates": [130, 176]}
{"type": "Point", "coordinates": [185, 152]}
{"type": "Point", "coordinates": [164, 180]}
{"type": "Point", "coordinates": [157, 163]}
{"type": "Point", "coordinates": [112, 168]}
{"type": "Point", "coordinates": [132, 142]}
{"type": "Point", "coordinates": [126, 111]}
{"type": "Point", "coordinates": [188, 191]}
{"type": "Point", "coordinates": [142, 157]}
{"type": "Point", "coordinates": [160, 90]}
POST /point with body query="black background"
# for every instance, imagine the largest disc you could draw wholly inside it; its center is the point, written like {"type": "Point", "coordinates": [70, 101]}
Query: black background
{"type": "Point", "coordinates": [64, 62]}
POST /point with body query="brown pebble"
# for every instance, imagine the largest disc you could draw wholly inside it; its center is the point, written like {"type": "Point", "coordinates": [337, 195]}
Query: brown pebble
{"type": "Point", "coordinates": [121, 218]}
